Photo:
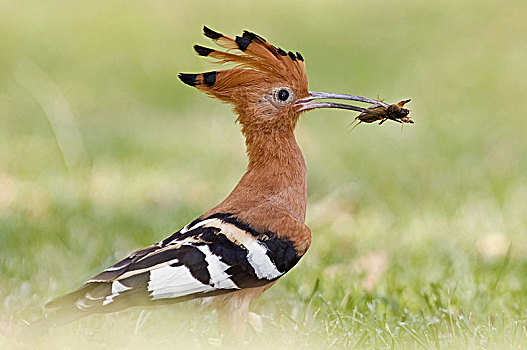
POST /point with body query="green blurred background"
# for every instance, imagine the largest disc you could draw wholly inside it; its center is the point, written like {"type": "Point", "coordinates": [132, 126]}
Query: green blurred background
{"type": "Point", "coordinates": [419, 234]}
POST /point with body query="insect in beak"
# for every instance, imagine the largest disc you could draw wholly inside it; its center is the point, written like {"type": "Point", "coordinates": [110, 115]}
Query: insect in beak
{"type": "Point", "coordinates": [378, 111]}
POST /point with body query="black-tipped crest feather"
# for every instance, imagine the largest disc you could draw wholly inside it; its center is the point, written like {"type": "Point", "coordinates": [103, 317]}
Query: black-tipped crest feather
{"type": "Point", "coordinates": [189, 79]}
{"type": "Point", "coordinates": [243, 42]}
{"type": "Point", "coordinates": [202, 50]}
{"type": "Point", "coordinates": [299, 56]}
{"type": "Point", "coordinates": [209, 78]}
{"type": "Point", "coordinates": [209, 33]}
{"type": "Point", "coordinates": [281, 52]}
{"type": "Point", "coordinates": [251, 36]}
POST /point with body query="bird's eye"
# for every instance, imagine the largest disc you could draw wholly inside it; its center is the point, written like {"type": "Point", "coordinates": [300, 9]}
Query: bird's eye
{"type": "Point", "coordinates": [283, 95]}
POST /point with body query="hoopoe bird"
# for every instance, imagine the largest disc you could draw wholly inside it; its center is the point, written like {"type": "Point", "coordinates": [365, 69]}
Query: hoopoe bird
{"type": "Point", "coordinates": [241, 247]}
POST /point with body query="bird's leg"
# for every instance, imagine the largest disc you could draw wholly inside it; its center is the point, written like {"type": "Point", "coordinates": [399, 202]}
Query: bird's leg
{"type": "Point", "coordinates": [233, 310]}
{"type": "Point", "coordinates": [232, 323]}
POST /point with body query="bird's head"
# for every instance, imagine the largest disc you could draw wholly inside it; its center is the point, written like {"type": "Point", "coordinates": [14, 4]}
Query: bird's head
{"type": "Point", "coordinates": [267, 86]}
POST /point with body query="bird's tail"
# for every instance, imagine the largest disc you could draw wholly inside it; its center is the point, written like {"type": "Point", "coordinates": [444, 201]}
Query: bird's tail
{"type": "Point", "coordinates": [60, 317]}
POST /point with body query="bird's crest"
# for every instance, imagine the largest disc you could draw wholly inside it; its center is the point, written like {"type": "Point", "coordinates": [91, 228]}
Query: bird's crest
{"type": "Point", "coordinates": [256, 62]}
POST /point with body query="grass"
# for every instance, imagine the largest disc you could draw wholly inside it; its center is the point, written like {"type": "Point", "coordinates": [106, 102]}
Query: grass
{"type": "Point", "coordinates": [418, 235]}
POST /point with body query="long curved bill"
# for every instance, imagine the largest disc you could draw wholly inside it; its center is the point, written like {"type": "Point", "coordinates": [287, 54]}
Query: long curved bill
{"type": "Point", "coordinates": [311, 102]}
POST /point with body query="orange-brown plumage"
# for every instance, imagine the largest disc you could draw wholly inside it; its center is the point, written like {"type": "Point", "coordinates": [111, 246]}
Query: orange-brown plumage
{"type": "Point", "coordinates": [274, 186]}
{"type": "Point", "coordinates": [241, 247]}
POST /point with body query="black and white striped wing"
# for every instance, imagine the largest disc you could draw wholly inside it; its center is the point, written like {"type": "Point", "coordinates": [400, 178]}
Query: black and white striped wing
{"type": "Point", "coordinates": [210, 256]}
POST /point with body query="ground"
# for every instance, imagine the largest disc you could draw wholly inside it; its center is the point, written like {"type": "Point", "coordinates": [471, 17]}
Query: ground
{"type": "Point", "coordinates": [419, 234]}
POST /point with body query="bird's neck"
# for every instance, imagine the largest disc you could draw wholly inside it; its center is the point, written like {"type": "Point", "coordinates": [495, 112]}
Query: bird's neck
{"type": "Point", "coordinates": [275, 181]}
{"type": "Point", "coordinates": [275, 154]}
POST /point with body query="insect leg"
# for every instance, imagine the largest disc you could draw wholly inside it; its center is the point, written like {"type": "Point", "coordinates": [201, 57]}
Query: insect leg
{"type": "Point", "coordinates": [360, 121]}
{"type": "Point", "coordinates": [354, 121]}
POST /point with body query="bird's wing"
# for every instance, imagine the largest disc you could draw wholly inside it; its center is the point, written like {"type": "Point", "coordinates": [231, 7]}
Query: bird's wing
{"type": "Point", "coordinates": [209, 256]}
